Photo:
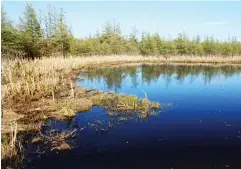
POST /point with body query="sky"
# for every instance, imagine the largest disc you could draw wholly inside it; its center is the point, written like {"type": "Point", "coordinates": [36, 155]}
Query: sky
{"type": "Point", "coordinates": [219, 19]}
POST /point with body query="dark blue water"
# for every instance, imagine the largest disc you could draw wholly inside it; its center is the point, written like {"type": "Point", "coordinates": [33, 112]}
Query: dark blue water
{"type": "Point", "coordinates": [202, 128]}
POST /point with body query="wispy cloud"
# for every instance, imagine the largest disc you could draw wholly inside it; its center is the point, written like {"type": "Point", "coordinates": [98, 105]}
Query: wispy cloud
{"type": "Point", "coordinates": [217, 23]}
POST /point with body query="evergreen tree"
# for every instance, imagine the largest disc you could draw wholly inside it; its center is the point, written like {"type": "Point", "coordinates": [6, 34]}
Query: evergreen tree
{"type": "Point", "coordinates": [63, 35]}
{"type": "Point", "coordinates": [10, 41]}
{"type": "Point", "coordinates": [148, 45]}
{"type": "Point", "coordinates": [111, 39]}
{"type": "Point", "coordinates": [50, 26]}
{"type": "Point", "coordinates": [131, 43]}
{"type": "Point", "coordinates": [181, 44]}
{"type": "Point", "coordinates": [31, 33]}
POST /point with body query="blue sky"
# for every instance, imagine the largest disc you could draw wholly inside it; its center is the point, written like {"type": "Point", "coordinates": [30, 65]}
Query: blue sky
{"type": "Point", "coordinates": [218, 19]}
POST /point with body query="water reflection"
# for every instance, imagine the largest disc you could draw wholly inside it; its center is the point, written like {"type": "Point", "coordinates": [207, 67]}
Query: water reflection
{"type": "Point", "coordinates": [113, 77]}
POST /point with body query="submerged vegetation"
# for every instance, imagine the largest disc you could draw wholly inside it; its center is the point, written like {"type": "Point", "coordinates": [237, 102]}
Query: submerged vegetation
{"type": "Point", "coordinates": [52, 140]}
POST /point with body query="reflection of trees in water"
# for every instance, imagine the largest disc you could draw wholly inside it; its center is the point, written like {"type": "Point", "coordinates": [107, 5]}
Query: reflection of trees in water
{"type": "Point", "coordinates": [133, 73]}
{"type": "Point", "coordinates": [181, 73]}
{"type": "Point", "coordinates": [115, 76]}
{"type": "Point", "coordinates": [149, 73]}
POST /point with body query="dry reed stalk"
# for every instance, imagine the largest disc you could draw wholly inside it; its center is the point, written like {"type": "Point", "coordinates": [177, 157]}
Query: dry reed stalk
{"type": "Point", "coordinates": [13, 137]}
{"type": "Point", "coordinates": [145, 94]}
{"type": "Point", "coordinates": [72, 89]}
{"type": "Point", "coordinates": [53, 97]}
{"type": "Point", "coordinates": [146, 99]}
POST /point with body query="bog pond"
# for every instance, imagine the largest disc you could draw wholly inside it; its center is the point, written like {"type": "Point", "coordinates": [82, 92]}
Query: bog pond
{"type": "Point", "coordinates": [197, 126]}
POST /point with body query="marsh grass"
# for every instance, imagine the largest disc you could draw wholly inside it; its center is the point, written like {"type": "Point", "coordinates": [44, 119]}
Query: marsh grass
{"type": "Point", "coordinates": [124, 103]}
{"type": "Point", "coordinates": [67, 110]}
{"type": "Point", "coordinates": [11, 148]}
{"type": "Point", "coordinates": [9, 142]}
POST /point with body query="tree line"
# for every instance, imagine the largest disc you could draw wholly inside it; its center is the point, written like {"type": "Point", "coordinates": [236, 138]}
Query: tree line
{"type": "Point", "coordinates": [48, 34]}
